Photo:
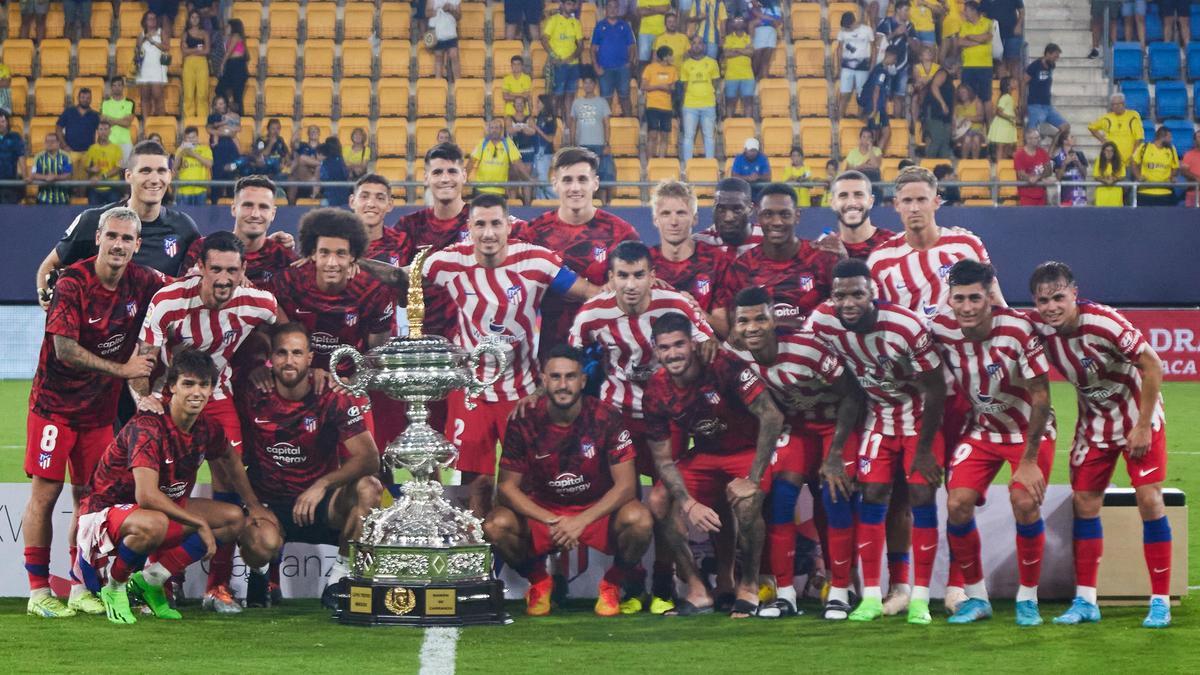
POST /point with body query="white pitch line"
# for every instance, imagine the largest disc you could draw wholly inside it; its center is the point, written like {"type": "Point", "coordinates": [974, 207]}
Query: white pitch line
{"type": "Point", "coordinates": [438, 651]}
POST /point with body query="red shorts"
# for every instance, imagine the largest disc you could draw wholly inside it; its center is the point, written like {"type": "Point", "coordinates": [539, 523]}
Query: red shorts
{"type": "Point", "coordinates": [51, 447]}
{"type": "Point", "coordinates": [596, 535]}
{"type": "Point", "coordinates": [802, 446]}
{"type": "Point", "coordinates": [975, 463]}
{"type": "Point", "coordinates": [477, 432]}
{"type": "Point", "coordinates": [955, 415]}
{"type": "Point", "coordinates": [1092, 467]}
{"type": "Point", "coordinates": [883, 459]}
{"type": "Point", "coordinates": [705, 475]}
{"type": "Point", "coordinates": [643, 459]}
{"type": "Point", "coordinates": [118, 513]}
{"type": "Point", "coordinates": [222, 411]}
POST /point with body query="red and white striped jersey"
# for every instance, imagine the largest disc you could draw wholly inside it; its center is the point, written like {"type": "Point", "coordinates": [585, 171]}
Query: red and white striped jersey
{"type": "Point", "coordinates": [500, 302]}
{"type": "Point", "coordinates": [887, 360]}
{"type": "Point", "coordinates": [801, 378]}
{"type": "Point", "coordinates": [626, 339]}
{"type": "Point", "coordinates": [178, 318]}
{"type": "Point", "coordinates": [711, 236]}
{"type": "Point", "coordinates": [1100, 360]}
{"type": "Point", "coordinates": [991, 372]}
{"type": "Point", "coordinates": [918, 280]}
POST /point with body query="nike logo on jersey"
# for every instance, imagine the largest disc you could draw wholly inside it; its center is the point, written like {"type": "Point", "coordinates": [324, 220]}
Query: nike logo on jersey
{"type": "Point", "coordinates": [303, 311]}
{"type": "Point", "coordinates": [235, 443]}
{"type": "Point", "coordinates": [1146, 472]}
{"type": "Point", "coordinates": [168, 461]}
{"type": "Point", "coordinates": [258, 421]}
{"type": "Point", "coordinates": [91, 320]}
{"type": "Point", "coordinates": [541, 456]}
{"type": "Point", "coordinates": [840, 562]}
{"type": "Point", "coordinates": [862, 546]}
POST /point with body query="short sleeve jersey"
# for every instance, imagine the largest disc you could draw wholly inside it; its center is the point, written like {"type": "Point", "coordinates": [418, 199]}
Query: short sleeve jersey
{"type": "Point", "coordinates": [714, 412]}
{"type": "Point", "coordinates": [261, 265]}
{"type": "Point", "coordinates": [802, 376]}
{"type": "Point", "coordinates": [797, 285]}
{"type": "Point", "coordinates": [699, 276]}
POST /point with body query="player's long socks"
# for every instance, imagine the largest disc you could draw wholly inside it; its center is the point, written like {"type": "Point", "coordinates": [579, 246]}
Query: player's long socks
{"type": "Point", "coordinates": [220, 567]}
{"type": "Point", "coordinates": [898, 564]}
{"type": "Point", "coordinates": [925, 545]}
{"type": "Point", "coordinates": [840, 515]}
{"type": "Point", "coordinates": [964, 543]}
{"type": "Point", "coordinates": [273, 571]}
{"type": "Point", "coordinates": [175, 560]}
{"type": "Point", "coordinates": [662, 579]}
{"type": "Point", "coordinates": [37, 565]}
{"type": "Point", "coordinates": [1156, 545]}
{"type": "Point", "coordinates": [1088, 535]}
{"type": "Point", "coordinates": [781, 532]}
{"type": "Point", "coordinates": [871, 537]}
{"type": "Point", "coordinates": [1031, 542]}
{"type": "Point", "coordinates": [127, 562]}
{"type": "Point", "coordinates": [533, 570]}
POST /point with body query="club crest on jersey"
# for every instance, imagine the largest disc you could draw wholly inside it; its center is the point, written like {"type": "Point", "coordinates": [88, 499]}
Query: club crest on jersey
{"type": "Point", "coordinates": [351, 318]}
{"type": "Point", "coordinates": [171, 246]}
{"type": "Point", "coordinates": [513, 292]}
{"type": "Point", "coordinates": [944, 270]}
{"type": "Point", "coordinates": [310, 424]}
{"type": "Point", "coordinates": [713, 397]}
{"type": "Point", "coordinates": [587, 448]}
{"type": "Point", "coordinates": [702, 285]}
{"type": "Point", "coordinates": [131, 308]}
{"type": "Point", "coordinates": [1089, 364]}
{"type": "Point", "coordinates": [599, 253]}
{"type": "Point", "coordinates": [229, 337]}
{"type": "Point", "coordinates": [828, 365]}
{"type": "Point", "coordinates": [993, 369]}
{"type": "Point", "coordinates": [1127, 340]}
{"type": "Point", "coordinates": [806, 282]}
{"type": "Point", "coordinates": [394, 259]}
{"type": "Point", "coordinates": [746, 375]}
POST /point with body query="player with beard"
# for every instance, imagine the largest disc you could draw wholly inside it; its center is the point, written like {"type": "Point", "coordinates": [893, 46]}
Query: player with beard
{"type": "Point", "coordinates": [723, 409]}
{"type": "Point", "coordinates": [1118, 378]}
{"type": "Point", "coordinates": [293, 462]}
{"type": "Point", "coordinates": [890, 352]}
{"type": "Point", "coordinates": [86, 356]}
{"type": "Point", "coordinates": [253, 212]}
{"type": "Point", "coordinates": [579, 232]}
{"type": "Point", "coordinates": [797, 272]}
{"type": "Point", "coordinates": [733, 209]}
{"type": "Point", "coordinates": [497, 285]}
{"type": "Point", "coordinates": [851, 199]}
{"type": "Point", "coordinates": [567, 480]}
{"type": "Point", "coordinates": [138, 512]}
{"type": "Point", "coordinates": [690, 267]}
{"type": "Point", "coordinates": [997, 357]}
{"type": "Point", "coordinates": [215, 313]}
{"type": "Point", "coordinates": [822, 405]}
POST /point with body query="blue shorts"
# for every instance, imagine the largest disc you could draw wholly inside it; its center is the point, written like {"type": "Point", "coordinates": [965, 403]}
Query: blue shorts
{"type": "Point", "coordinates": [1133, 7]}
{"type": "Point", "coordinates": [765, 37]}
{"type": "Point", "coordinates": [1012, 47]}
{"type": "Point", "coordinates": [735, 88]}
{"type": "Point", "coordinates": [520, 12]}
{"type": "Point", "coordinates": [1043, 114]}
{"type": "Point", "coordinates": [900, 82]}
{"type": "Point", "coordinates": [566, 78]}
{"type": "Point", "coordinates": [927, 37]}
{"type": "Point", "coordinates": [614, 79]}
{"type": "Point", "coordinates": [646, 47]}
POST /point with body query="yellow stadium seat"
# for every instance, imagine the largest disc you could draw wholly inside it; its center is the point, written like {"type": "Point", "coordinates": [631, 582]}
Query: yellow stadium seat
{"type": "Point", "coordinates": [975, 170]}
{"type": "Point", "coordinates": [250, 98]}
{"type": "Point", "coordinates": [50, 95]}
{"type": "Point", "coordinates": [848, 131]}
{"type": "Point", "coordinates": [391, 137]}
{"type": "Point", "coordinates": [347, 125]}
{"type": "Point", "coordinates": [836, 9]}
{"type": "Point", "coordinates": [393, 97]}
{"type": "Point", "coordinates": [932, 162]}
{"type": "Point", "coordinates": [1004, 173]}
{"type": "Point", "coordinates": [171, 96]}
{"type": "Point", "coordinates": [810, 58]}
{"type": "Point", "coordinates": [662, 168]}
{"type": "Point", "coordinates": [395, 169]}
{"type": "Point", "coordinates": [316, 96]}
{"type": "Point", "coordinates": [703, 170]}
{"type": "Point", "coordinates": [93, 83]}
{"type": "Point", "coordinates": [38, 128]}
{"type": "Point", "coordinates": [775, 98]}
{"type": "Point", "coordinates": [898, 140]}
{"type": "Point", "coordinates": [92, 57]}
{"type": "Point", "coordinates": [176, 66]}
{"type": "Point", "coordinates": [102, 19]}
{"type": "Point", "coordinates": [472, 57]}
{"type": "Point", "coordinates": [250, 14]}
{"type": "Point", "coordinates": [778, 166]}
{"type": "Point", "coordinates": [359, 21]}
{"type": "Point", "coordinates": [425, 135]}
{"type": "Point", "coordinates": [468, 131]}
{"type": "Point", "coordinates": [394, 58]}
{"type": "Point", "coordinates": [318, 58]}
{"type": "Point", "coordinates": [18, 55]}
{"type": "Point", "coordinates": [287, 128]}
{"type": "Point", "coordinates": [623, 136]}
{"type": "Point", "coordinates": [416, 194]}
{"type": "Point", "coordinates": [629, 170]}
{"type": "Point", "coordinates": [281, 57]}
{"type": "Point", "coordinates": [357, 59]}
{"type": "Point", "coordinates": [498, 19]}
{"type": "Point", "coordinates": [778, 136]}
{"type": "Point", "coordinates": [778, 61]}
{"type": "Point", "coordinates": [167, 127]}
{"type": "Point", "coordinates": [812, 97]}
{"type": "Point", "coordinates": [424, 62]}
{"type": "Point", "coordinates": [736, 130]}
{"type": "Point", "coordinates": [252, 53]}
{"type": "Point", "coordinates": [816, 166]}
{"type": "Point", "coordinates": [502, 53]}
{"type": "Point", "coordinates": [587, 17]}
{"type": "Point", "coordinates": [323, 123]}
{"type": "Point", "coordinates": [320, 20]}
{"type": "Point", "coordinates": [279, 96]}
{"type": "Point", "coordinates": [431, 98]}
{"type": "Point", "coordinates": [395, 21]}
{"type": "Point", "coordinates": [806, 21]}
{"type": "Point", "coordinates": [355, 97]}
{"type": "Point", "coordinates": [537, 58]}
{"type": "Point", "coordinates": [55, 55]}
{"type": "Point", "coordinates": [889, 168]}
{"type": "Point", "coordinates": [469, 98]}
{"type": "Point", "coordinates": [129, 21]}
{"type": "Point", "coordinates": [20, 96]}
{"type": "Point", "coordinates": [471, 23]}
{"type": "Point", "coordinates": [816, 136]}
{"type": "Point", "coordinates": [284, 18]}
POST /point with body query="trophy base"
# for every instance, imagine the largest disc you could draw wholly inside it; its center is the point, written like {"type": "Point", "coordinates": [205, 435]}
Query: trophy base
{"type": "Point", "coordinates": [371, 602]}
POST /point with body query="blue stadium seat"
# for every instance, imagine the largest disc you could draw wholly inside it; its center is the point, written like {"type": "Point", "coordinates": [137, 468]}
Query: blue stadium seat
{"type": "Point", "coordinates": [1164, 61]}
{"type": "Point", "coordinates": [1195, 23]}
{"type": "Point", "coordinates": [1148, 129]}
{"type": "Point", "coordinates": [1127, 61]}
{"type": "Point", "coordinates": [1137, 96]}
{"type": "Point", "coordinates": [1154, 27]}
{"type": "Point", "coordinates": [1196, 100]}
{"type": "Point", "coordinates": [1182, 135]}
{"type": "Point", "coordinates": [1170, 100]}
{"type": "Point", "coordinates": [1193, 61]}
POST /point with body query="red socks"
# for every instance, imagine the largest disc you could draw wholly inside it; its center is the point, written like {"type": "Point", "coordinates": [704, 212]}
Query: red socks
{"type": "Point", "coordinates": [781, 552]}
{"type": "Point", "coordinates": [1031, 543]}
{"type": "Point", "coordinates": [872, 537]}
{"type": "Point", "coordinates": [1156, 545]}
{"type": "Point", "coordinates": [221, 566]}
{"type": "Point", "coordinates": [37, 565]}
{"type": "Point", "coordinates": [964, 546]}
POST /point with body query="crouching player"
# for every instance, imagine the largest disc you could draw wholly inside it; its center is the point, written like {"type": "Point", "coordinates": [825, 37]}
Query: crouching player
{"type": "Point", "coordinates": [292, 434]}
{"type": "Point", "coordinates": [567, 479]}
{"type": "Point", "coordinates": [724, 409]}
{"type": "Point", "coordinates": [1117, 376]}
{"type": "Point", "coordinates": [999, 363]}
{"type": "Point", "coordinates": [137, 511]}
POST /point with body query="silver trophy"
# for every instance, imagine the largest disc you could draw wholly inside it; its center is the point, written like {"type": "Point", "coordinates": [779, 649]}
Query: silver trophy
{"type": "Point", "coordinates": [421, 561]}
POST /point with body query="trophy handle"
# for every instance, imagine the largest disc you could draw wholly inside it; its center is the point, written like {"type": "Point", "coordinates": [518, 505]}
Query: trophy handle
{"type": "Point", "coordinates": [356, 384]}
{"type": "Point", "coordinates": [493, 349]}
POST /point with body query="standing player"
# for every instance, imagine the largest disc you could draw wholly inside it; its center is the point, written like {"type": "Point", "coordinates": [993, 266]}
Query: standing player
{"type": "Point", "coordinates": [566, 480]}
{"type": "Point", "coordinates": [733, 209]}
{"type": "Point", "coordinates": [891, 353]}
{"type": "Point", "coordinates": [214, 313]}
{"type": "Point", "coordinates": [822, 406]}
{"type": "Point", "coordinates": [497, 287]}
{"type": "Point", "coordinates": [371, 201]}
{"type": "Point", "coordinates": [997, 359]}
{"type": "Point", "coordinates": [87, 354]}
{"type": "Point", "coordinates": [716, 406]}
{"type": "Point", "coordinates": [795, 271]}
{"type": "Point", "coordinates": [166, 232]}
{"type": "Point", "coordinates": [688, 266]}
{"type": "Point", "coordinates": [253, 212]}
{"type": "Point", "coordinates": [139, 507]}
{"type": "Point", "coordinates": [1118, 377]}
{"type": "Point", "coordinates": [851, 199]}
{"type": "Point", "coordinates": [292, 458]}
{"type": "Point", "coordinates": [579, 232]}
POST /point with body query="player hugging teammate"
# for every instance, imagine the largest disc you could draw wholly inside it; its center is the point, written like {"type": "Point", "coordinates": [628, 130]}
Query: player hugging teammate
{"type": "Point", "coordinates": [734, 367]}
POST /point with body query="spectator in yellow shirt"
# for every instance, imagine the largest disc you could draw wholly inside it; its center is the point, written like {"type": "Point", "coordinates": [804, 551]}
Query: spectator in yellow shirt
{"type": "Point", "coordinates": [708, 18]}
{"type": "Point", "coordinates": [1121, 126]}
{"type": "Point", "coordinates": [678, 41]}
{"type": "Point", "coordinates": [701, 76]}
{"type": "Point", "coordinates": [653, 15]}
{"type": "Point", "coordinates": [495, 158]}
{"type": "Point", "coordinates": [658, 81]}
{"type": "Point", "coordinates": [739, 70]}
{"type": "Point", "coordinates": [193, 161]}
{"type": "Point", "coordinates": [923, 15]}
{"type": "Point", "coordinates": [102, 163]}
{"type": "Point", "coordinates": [975, 37]}
{"type": "Point", "coordinates": [562, 37]}
{"type": "Point", "coordinates": [516, 88]}
{"type": "Point", "coordinates": [1156, 162]}
{"type": "Point", "coordinates": [798, 173]}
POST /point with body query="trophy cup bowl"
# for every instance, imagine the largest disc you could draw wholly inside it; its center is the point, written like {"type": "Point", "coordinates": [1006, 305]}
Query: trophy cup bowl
{"type": "Point", "coordinates": [421, 561]}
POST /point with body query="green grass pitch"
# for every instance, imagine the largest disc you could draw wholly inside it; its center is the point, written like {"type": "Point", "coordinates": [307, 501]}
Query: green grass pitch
{"type": "Point", "coordinates": [300, 635]}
